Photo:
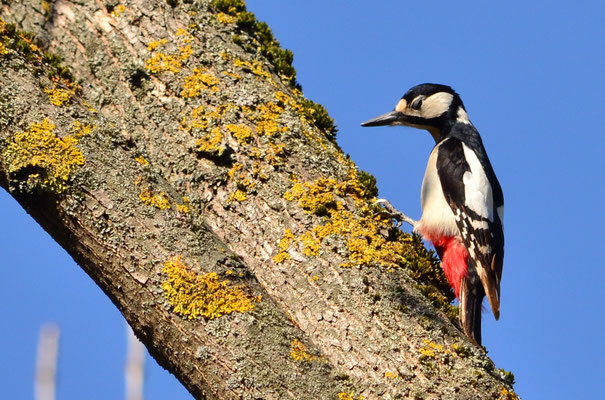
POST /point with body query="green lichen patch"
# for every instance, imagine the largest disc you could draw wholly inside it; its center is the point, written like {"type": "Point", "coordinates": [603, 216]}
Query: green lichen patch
{"type": "Point", "coordinates": [193, 295]}
{"type": "Point", "coordinates": [46, 160]}
{"type": "Point", "coordinates": [312, 112]}
{"type": "Point", "coordinates": [24, 44]}
{"type": "Point", "coordinates": [268, 46]}
{"type": "Point", "coordinates": [318, 115]}
{"type": "Point", "coordinates": [507, 376]}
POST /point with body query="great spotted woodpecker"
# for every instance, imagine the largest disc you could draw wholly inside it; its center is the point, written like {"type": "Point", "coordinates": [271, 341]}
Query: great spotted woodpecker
{"type": "Point", "coordinates": [462, 202]}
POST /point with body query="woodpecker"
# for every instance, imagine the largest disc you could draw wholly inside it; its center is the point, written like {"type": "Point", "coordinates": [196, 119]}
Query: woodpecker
{"type": "Point", "coordinates": [462, 201]}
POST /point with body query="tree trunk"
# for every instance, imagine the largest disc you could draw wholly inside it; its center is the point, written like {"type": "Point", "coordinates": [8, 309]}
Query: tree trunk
{"type": "Point", "coordinates": [180, 166]}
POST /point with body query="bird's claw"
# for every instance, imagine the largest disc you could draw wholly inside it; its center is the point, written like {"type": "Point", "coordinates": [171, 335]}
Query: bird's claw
{"type": "Point", "coordinates": [391, 212]}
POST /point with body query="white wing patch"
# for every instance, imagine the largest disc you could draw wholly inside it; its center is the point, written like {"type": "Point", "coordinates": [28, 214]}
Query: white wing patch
{"type": "Point", "coordinates": [477, 189]}
{"type": "Point", "coordinates": [500, 211]}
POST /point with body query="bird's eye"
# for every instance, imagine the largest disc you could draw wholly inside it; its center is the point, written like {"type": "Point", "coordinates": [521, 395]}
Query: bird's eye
{"type": "Point", "coordinates": [416, 104]}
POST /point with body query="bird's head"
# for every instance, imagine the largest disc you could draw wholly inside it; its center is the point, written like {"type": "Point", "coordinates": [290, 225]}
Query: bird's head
{"type": "Point", "coordinates": [429, 106]}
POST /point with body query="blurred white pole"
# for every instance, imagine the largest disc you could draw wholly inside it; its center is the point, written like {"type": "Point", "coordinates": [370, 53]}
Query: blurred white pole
{"type": "Point", "coordinates": [46, 363]}
{"type": "Point", "coordinates": [135, 366]}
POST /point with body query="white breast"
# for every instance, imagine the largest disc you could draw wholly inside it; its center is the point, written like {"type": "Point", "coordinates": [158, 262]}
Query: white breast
{"type": "Point", "coordinates": [437, 216]}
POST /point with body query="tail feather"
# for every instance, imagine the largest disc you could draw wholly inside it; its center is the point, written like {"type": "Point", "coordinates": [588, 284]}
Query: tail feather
{"type": "Point", "coordinates": [470, 298]}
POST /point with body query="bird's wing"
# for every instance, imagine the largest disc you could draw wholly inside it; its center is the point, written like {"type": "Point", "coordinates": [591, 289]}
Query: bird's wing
{"type": "Point", "coordinates": [468, 187]}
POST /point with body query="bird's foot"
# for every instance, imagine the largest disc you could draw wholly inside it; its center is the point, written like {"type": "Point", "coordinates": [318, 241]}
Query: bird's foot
{"type": "Point", "coordinates": [391, 212]}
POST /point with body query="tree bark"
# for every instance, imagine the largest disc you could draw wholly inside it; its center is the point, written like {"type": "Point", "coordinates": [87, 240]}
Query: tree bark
{"type": "Point", "coordinates": [181, 168]}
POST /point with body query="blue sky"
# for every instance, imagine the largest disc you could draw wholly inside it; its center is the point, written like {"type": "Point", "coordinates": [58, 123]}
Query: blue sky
{"type": "Point", "coordinates": [531, 75]}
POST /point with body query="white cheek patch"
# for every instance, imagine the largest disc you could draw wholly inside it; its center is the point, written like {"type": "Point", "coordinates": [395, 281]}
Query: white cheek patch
{"type": "Point", "coordinates": [462, 116]}
{"type": "Point", "coordinates": [436, 104]}
{"type": "Point", "coordinates": [477, 189]}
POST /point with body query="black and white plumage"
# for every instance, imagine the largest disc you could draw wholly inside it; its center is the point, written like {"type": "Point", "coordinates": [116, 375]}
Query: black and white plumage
{"type": "Point", "coordinates": [462, 201]}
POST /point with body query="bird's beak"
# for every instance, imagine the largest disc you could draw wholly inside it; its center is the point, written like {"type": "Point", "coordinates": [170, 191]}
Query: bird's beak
{"type": "Point", "coordinates": [391, 118]}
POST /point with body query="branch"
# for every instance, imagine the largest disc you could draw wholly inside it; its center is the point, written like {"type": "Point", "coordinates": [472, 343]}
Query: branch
{"type": "Point", "coordinates": [198, 188]}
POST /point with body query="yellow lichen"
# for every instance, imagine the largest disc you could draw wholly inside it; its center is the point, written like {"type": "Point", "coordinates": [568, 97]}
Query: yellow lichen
{"type": "Point", "coordinates": [256, 67]}
{"type": "Point", "coordinates": [40, 147]}
{"type": "Point", "coordinates": [118, 10]}
{"type": "Point", "coordinates": [161, 62]}
{"type": "Point", "coordinates": [185, 52]}
{"type": "Point", "coordinates": [184, 208]}
{"type": "Point", "coordinates": [234, 170]}
{"type": "Point", "coordinates": [427, 352]}
{"type": "Point", "coordinates": [81, 129]}
{"type": "Point", "coordinates": [200, 119]}
{"type": "Point", "coordinates": [267, 119]}
{"type": "Point", "coordinates": [211, 142]}
{"type": "Point", "coordinates": [61, 92]}
{"type": "Point", "coordinates": [198, 82]}
{"type": "Point", "coordinates": [391, 375]}
{"type": "Point", "coordinates": [431, 350]}
{"type": "Point", "coordinates": [299, 352]}
{"type": "Point", "coordinates": [257, 171]}
{"type": "Point", "coordinates": [233, 75]}
{"type": "Point", "coordinates": [363, 232]}
{"type": "Point", "coordinates": [239, 196]}
{"type": "Point", "coordinates": [193, 295]}
{"type": "Point", "coordinates": [141, 160]}
{"type": "Point", "coordinates": [45, 6]}
{"type": "Point", "coordinates": [3, 50]}
{"type": "Point", "coordinates": [433, 345]}
{"type": "Point", "coordinates": [348, 396]}
{"type": "Point", "coordinates": [155, 200]}
{"type": "Point", "coordinates": [155, 44]}
{"type": "Point", "coordinates": [240, 132]}
{"type": "Point", "coordinates": [243, 182]}
{"type": "Point", "coordinates": [289, 101]}
{"type": "Point", "coordinates": [506, 394]}
{"type": "Point", "coordinates": [30, 42]}
{"type": "Point", "coordinates": [184, 35]}
{"type": "Point", "coordinates": [225, 18]}
{"type": "Point", "coordinates": [314, 196]}
{"type": "Point", "coordinates": [275, 153]}
{"type": "Point", "coordinates": [283, 245]}
{"type": "Point", "coordinates": [90, 108]}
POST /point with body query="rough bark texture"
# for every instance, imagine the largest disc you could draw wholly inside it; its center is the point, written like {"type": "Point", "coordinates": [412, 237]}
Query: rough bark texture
{"type": "Point", "coordinates": [180, 144]}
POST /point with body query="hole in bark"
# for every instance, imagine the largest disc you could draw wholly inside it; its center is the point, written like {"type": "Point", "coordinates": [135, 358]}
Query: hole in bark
{"type": "Point", "coordinates": [23, 173]}
{"type": "Point", "coordinates": [136, 79]}
{"type": "Point", "coordinates": [224, 159]}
